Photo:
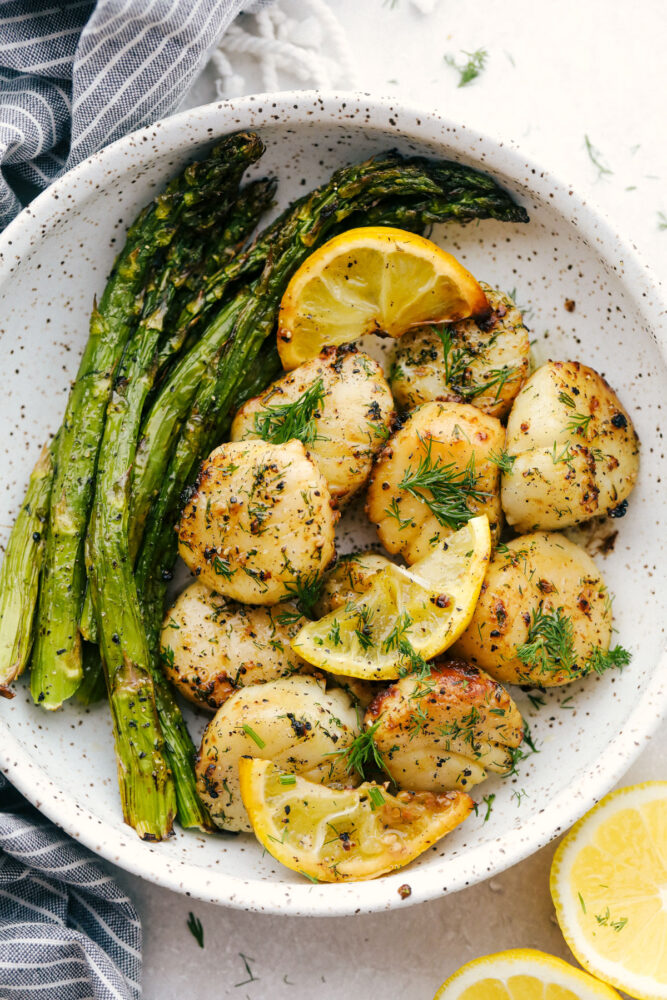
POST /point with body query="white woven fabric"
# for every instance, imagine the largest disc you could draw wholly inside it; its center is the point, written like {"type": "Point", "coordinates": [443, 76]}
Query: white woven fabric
{"type": "Point", "coordinates": [294, 40]}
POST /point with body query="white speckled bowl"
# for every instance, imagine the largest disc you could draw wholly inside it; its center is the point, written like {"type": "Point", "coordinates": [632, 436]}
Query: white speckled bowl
{"type": "Point", "coordinates": [54, 259]}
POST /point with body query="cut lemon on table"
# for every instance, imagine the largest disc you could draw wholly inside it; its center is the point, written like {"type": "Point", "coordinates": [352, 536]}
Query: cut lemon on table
{"type": "Point", "coordinates": [405, 616]}
{"type": "Point", "coordinates": [522, 974]}
{"type": "Point", "coordinates": [335, 834]}
{"type": "Point", "coordinates": [372, 280]}
{"type": "Point", "coordinates": [609, 887]}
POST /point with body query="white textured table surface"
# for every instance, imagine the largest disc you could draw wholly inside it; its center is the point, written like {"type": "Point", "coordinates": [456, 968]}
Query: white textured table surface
{"type": "Point", "coordinates": [555, 73]}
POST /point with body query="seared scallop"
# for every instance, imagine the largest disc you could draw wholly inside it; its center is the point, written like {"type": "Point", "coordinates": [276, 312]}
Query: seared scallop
{"type": "Point", "coordinates": [259, 523]}
{"type": "Point", "coordinates": [479, 361]}
{"type": "Point", "coordinates": [339, 405]}
{"type": "Point", "coordinates": [438, 471]}
{"type": "Point", "coordinates": [292, 721]}
{"type": "Point", "coordinates": [210, 647]}
{"type": "Point", "coordinates": [544, 614]}
{"type": "Point", "coordinates": [446, 730]}
{"type": "Point", "coordinates": [352, 575]}
{"type": "Point", "coordinates": [573, 452]}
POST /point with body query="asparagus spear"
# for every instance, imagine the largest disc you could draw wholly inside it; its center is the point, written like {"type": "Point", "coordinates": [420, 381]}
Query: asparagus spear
{"type": "Point", "coordinates": [57, 657]}
{"type": "Point", "coordinates": [19, 575]}
{"type": "Point", "coordinates": [252, 202]}
{"type": "Point", "coordinates": [145, 764]}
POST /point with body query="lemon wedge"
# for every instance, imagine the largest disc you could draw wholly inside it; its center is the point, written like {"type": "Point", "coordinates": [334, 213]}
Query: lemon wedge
{"type": "Point", "coordinates": [405, 616]}
{"type": "Point", "coordinates": [339, 834]}
{"type": "Point", "coordinates": [522, 974]}
{"type": "Point", "coordinates": [371, 280]}
{"type": "Point", "coordinates": [609, 887]}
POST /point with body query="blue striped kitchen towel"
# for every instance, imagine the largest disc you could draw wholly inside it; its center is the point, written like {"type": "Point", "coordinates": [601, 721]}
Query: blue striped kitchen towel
{"type": "Point", "coordinates": [67, 931]}
{"type": "Point", "coordinates": [76, 75]}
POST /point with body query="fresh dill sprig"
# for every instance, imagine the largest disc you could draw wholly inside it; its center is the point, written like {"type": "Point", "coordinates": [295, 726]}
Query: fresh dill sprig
{"type": "Point", "coordinates": [611, 659]}
{"type": "Point", "coordinates": [471, 69]}
{"type": "Point", "coordinates": [550, 643]}
{"type": "Point", "coordinates": [497, 377]}
{"type": "Point", "coordinates": [579, 423]}
{"type": "Point", "coordinates": [503, 460]}
{"type": "Point", "coordinates": [364, 628]}
{"type": "Point", "coordinates": [305, 590]}
{"type": "Point", "coordinates": [488, 801]}
{"type": "Point", "coordinates": [376, 797]}
{"type": "Point", "coordinates": [443, 487]}
{"type": "Point", "coordinates": [457, 360]}
{"type": "Point", "coordinates": [594, 156]}
{"type": "Point", "coordinates": [362, 753]}
{"type": "Point", "coordinates": [564, 397]}
{"type": "Point", "coordinates": [286, 421]}
{"type": "Point", "coordinates": [255, 737]}
{"type": "Point", "coordinates": [195, 927]}
{"type": "Point", "coordinates": [393, 510]}
{"type": "Point", "coordinates": [605, 920]}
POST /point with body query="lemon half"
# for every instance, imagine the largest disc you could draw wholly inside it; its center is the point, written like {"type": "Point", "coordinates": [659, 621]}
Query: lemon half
{"type": "Point", "coordinates": [369, 280]}
{"type": "Point", "coordinates": [340, 834]}
{"type": "Point", "coordinates": [609, 887]}
{"type": "Point", "coordinates": [426, 606]}
{"type": "Point", "coordinates": [522, 974]}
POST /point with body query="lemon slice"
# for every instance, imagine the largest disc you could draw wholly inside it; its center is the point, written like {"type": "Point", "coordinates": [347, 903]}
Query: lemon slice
{"type": "Point", "coordinates": [522, 974]}
{"type": "Point", "coordinates": [331, 834]}
{"type": "Point", "coordinates": [609, 887]}
{"type": "Point", "coordinates": [405, 614]}
{"type": "Point", "coordinates": [371, 280]}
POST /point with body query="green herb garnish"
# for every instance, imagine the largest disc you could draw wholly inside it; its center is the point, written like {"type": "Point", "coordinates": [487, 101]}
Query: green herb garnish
{"type": "Point", "coordinates": [503, 460]}
{"type": "Point", "coordinates": [445, 489]}
{"type": "Point", "coordinates": [287, 421]}
{"type": "Point", "coordinates": [362, 752]}
{"type": "Point", "coordinates": [594, 156]}
{"type": "Point", "coordinates": [472, 68]}
{"type": "Point", "coordinates": [196, 929]}
{"type": "Point", "coordinates": [550, 643]}
{"type": "Point", "coordinates": [376, 797]}
{"type": "Point", "coordinates": [611, 659]}
{"type": "Point", "coordinates": [249, 731]}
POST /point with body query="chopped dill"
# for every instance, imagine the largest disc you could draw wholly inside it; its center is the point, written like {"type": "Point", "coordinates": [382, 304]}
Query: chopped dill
{"type": "Point", "coordinates": [579, 423]}
{"type": "Point", "coordinates": [362, 753]}
{"type": "Point", "coordinates": [605, 920]}
{"type": "Point", "coordinates": [334, 633]}
{"type": "Point", "coordinates": [564, 397]}
{"type": "Point", "coordinates": [488, 801]}
{"type": "Point", "coordinates": [610, 659]}
{"type": "Point", "coordinates": [196, 929]}
{"type": "Point", "coordinates": [305, 591]}
{"type": "Point", "coordinates": [376, 797]}
{"type": "Point", "coordinates": [457, 361]}
{"type": "Point", "coordinates": [503, 460]}
{"type": "Point", "coordinates": [393, 510]}
{"type": "Point", "coordinates": [550, 643]}
{"type": "Point", "coordinates": [445, 489]}
{"type": "Point", "coordinates": [286, 421]}
{"type": "Point", "coordinates": [594, 156]}
{"type": "Point", "coordinates": [662, 221]}
{"type": "Point", "coordinates": [364, 629]}
{"type": "Point", "coordinates": [249, 731]}
{"type": "Point", "coordinates": [471, 69]}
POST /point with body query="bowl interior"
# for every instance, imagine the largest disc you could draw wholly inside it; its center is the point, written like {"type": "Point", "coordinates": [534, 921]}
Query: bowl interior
{"type": "Point", "coordinates": [586, 732]}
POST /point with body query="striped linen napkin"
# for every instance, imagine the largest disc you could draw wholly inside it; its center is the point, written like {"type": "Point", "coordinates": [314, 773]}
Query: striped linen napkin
{"type": "Point", "coordinates": [67, 931]}
{"type": "Point", "coordinates": [74, 76]}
